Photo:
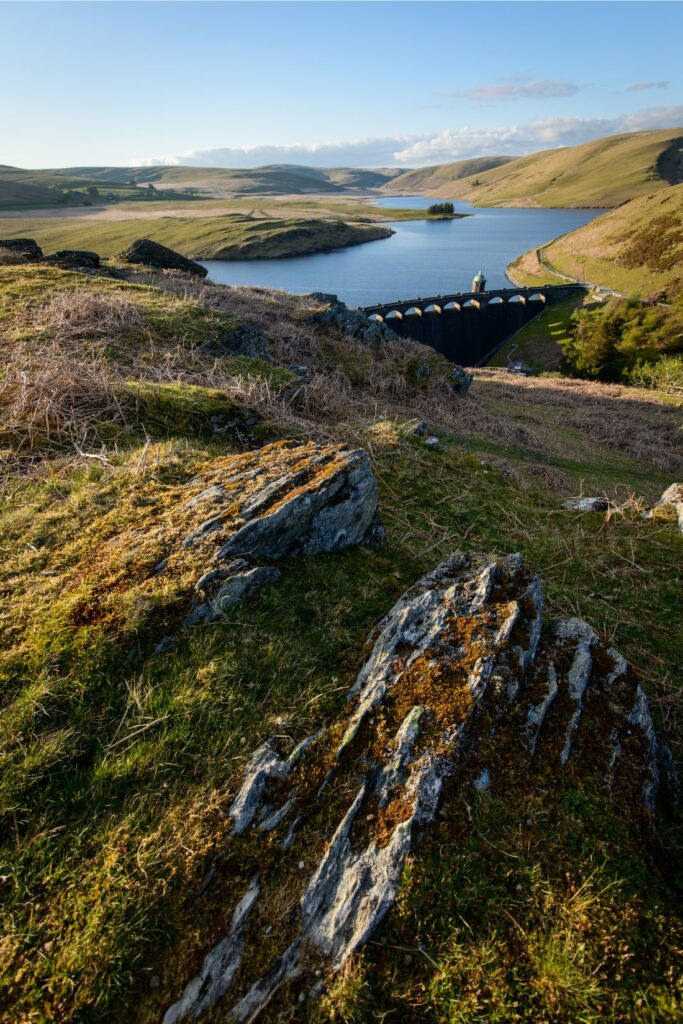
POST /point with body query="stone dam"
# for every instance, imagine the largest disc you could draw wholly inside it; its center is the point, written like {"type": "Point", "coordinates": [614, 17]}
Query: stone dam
{"type": "Point", "coordinates": [468, 327]}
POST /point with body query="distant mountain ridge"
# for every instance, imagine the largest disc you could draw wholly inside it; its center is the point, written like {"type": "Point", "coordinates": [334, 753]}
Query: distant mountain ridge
{"type": "Point", "coordinates": [21, 187]}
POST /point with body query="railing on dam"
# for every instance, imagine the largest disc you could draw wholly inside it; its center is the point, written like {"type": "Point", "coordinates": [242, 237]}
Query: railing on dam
{"type": "Point", "coordinates": [468, 327]}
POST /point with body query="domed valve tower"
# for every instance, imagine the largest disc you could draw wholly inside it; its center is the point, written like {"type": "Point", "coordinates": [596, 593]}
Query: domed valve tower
{"type": "Point", "coordinates": [479, 282]}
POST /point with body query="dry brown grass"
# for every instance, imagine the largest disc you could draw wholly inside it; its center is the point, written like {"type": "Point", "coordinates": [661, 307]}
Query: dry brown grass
{"type": "Point", "coordinates": [49, 395]}
{"type": "Point", "coordinates": [87, 313]}
{"type": "Point", "coordinates": [11, 257]}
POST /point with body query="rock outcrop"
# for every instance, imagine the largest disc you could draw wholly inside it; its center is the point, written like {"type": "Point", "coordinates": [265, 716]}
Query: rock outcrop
{"type": "Point", "coordinates": [75, 259]}
{"type": "Point", "coordinates": [245, 340]}
{"type": "Point", "coordinates": [464, 687]}
{"type": "Point", "coordinates": [351, 322]}
{"type": "Point", "coordinates": [152, 254]}
{"type": "Point", "coordinates": [669, 506]}
{"type": "Point", "coordinates": [286, 499]}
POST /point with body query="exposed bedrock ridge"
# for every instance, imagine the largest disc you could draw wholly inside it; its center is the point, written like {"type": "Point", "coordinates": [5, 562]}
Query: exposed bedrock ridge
{"type": "Point", "coordinates": [462, 679]}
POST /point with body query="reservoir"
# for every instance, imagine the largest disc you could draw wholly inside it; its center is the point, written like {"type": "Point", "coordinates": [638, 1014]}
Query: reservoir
{"type": "Point", "coordinates": [422, 258]}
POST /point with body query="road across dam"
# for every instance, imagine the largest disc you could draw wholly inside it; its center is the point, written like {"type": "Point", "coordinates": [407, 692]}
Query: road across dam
{"type": "Point", "coordinates": [469, 327]}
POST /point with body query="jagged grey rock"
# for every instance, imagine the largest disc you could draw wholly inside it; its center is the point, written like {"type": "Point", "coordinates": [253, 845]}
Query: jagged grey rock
{"type": "Point", "coordinates": [285, 499]}
{"type": "Point", "coordinates": [294, 519]}
{"type": "Point", "coordinates": [463, 683]}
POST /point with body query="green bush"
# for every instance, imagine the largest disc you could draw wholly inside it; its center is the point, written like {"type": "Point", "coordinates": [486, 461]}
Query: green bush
{"type": "Point", "coordinates": [612, 342]}
{"type": "Point", "coordinates": [666, 374]}
{"type": "Point", "coordinates": [441, 210]}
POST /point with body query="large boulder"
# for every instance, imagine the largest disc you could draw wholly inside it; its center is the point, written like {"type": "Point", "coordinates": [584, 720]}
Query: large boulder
{"type": "Point", "coordinates": [464, 685]}
{"type": "Point", "coordinates": [75, 259]}
{"type": "Point", "coordinates": [25, 250]}
{"type": "Point", "coordinates": [152, 254]}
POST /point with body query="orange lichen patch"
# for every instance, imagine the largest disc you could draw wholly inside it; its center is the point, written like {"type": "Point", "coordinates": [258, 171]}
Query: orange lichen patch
{"type": "Point", "coordinates": [382, 821]}
{"type": "Point", "coordinates": [439, 683]}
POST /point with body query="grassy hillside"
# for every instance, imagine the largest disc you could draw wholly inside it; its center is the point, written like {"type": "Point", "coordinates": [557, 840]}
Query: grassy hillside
{"type": "Point", "coordinates": [23, 189]}
{"type": "Point", "coordinates": [636, 249]}
{"type": "Point", "coordinates": [118, 764]}
{"type": "Point", "coordinates": [430, 179]}
{"type": "Point", "coordinates": [606, 172]}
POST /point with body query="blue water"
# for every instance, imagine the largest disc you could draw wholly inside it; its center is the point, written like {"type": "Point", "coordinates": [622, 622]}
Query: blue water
{"type": "Point", "coordinates": [422, 258]}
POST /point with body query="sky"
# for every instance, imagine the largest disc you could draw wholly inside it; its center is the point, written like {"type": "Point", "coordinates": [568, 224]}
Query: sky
{"type": "Point", "coordinates": [326, 83]}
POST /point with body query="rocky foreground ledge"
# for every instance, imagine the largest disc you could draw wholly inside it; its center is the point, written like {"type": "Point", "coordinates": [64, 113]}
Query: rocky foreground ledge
{"type": "Point", "coordinates": [464, 683]}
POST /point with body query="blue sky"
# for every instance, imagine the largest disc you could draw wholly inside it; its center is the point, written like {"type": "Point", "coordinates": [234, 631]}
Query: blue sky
{"type": "Point", "coordinates": [366, 84]}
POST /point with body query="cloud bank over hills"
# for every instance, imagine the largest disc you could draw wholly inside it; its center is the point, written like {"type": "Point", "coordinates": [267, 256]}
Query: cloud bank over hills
{"type": "Point", "coordinates": [421, 149]}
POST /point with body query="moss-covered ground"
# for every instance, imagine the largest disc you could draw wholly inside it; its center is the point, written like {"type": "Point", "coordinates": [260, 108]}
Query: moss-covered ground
{"type": "Point", "coordinates": [117, 767]}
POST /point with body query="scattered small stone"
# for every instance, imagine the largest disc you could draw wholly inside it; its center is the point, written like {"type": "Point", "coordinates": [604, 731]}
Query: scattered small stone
{"type": "Point", "coordinates": [460, 380]}
{"type": "Point", "coordinates": [421, 429]}
{"type": "Point", "coordinates": [303, 374]}
{"type": "Point", "coordinates": [597, 504]}
{"type": "Point", "coordinates": [482, 781]}
{"type": "Point", "coordinates": [165, 644]}
{"type": "Point", "coordinates": [432, 442]}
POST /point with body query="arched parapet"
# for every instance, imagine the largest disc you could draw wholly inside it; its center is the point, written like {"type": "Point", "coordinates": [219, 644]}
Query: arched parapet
{"type": "Point", "coordinates": [536, 297]}
{"type": "Point", "coordinates": [472, 304]}
{"type": "Point", "coordinates": [413, 311]}
{"type": "Point", "coordinates": [496, 301]}
{"type": "Point", "coordinates": [518, 300]}
{"type": "Point", "coordinates": [394, 315]}
{"type": "Point", "coordinates": [376, 318]}
{"type": "Point", "coordinates": [452, 307]}
{"type": "Point", "coordinates": [433, 308]}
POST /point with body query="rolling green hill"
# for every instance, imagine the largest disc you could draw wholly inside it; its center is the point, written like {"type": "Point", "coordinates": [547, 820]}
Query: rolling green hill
{"type": "Point", "coordinates": [637, 248]}
{"type": "Point", "coordinates": [605, 172]}
{"type": "Point", "coordinates": [21, 188]}
{"type": "Point", "coordinates": [438, 176]}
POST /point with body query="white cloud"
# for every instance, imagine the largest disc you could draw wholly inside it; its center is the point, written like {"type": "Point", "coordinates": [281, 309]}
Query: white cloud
{"type": "Point", "coordinates": [643, 86]}
{"type": "Point", "coordinates": [516, 87]}
{"type": "Point", "coordinates": [441, 147]}
{"type": "Point", "coordinates": [547, 133]}
{"type": "Point", "coordinates": [351, 153]}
